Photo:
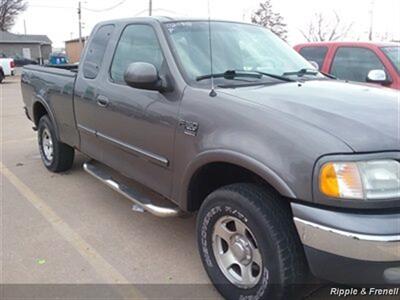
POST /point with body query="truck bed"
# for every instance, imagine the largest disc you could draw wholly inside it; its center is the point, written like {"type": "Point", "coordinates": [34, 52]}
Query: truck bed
{"type": "Point", "coordinates": [52, 87]}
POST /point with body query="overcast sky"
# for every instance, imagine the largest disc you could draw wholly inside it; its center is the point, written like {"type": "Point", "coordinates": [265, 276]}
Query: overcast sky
{"type": "Point", "coordinates": [59, 20]}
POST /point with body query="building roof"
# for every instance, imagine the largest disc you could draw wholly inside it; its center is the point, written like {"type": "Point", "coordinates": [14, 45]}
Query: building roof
{"type": "Point", "coordinates": [11, 38]}
{"type": "Point", "coordinates": [77, 40]}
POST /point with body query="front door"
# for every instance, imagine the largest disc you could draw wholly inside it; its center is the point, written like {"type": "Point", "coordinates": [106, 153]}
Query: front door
{"type": "Point", "coordinates": [354, 63]}
{"type": "Point", "coordinates": [136, 127]}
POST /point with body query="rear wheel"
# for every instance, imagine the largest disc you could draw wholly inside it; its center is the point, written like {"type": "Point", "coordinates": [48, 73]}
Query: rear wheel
{"type": "Point", "coordinates": [1, 77]}
{"type": "Point", "coordinates": [56, 156]}
{"type": "Point", "coordinates": [248, 243]}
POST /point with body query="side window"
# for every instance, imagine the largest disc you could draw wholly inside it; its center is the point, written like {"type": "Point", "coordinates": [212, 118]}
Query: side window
{"type": "Point", "coordinates": [138, 43]}
{"type": "Point", "coordinates": [353, 64]}
{"type": "Point", "coordinates": [316, 54]}
{"type": "Point", "coordinates": [96, 50]}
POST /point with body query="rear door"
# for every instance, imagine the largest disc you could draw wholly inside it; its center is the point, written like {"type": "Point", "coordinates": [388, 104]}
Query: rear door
{"type": "Point", "coordinates": [86, 90]}
{"type": "Point", "coordinates": [136, 127]}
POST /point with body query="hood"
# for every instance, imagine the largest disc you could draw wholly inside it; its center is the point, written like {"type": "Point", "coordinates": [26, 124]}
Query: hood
{"type": "Point", "coordinates": [366, 118]}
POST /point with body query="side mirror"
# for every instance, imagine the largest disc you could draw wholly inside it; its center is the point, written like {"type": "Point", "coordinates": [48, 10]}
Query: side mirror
{"type": "Point", "coordinates": [144, 76]}
{"type": "Point", "coordinates": [378, 76]}
{"type": "Point", "coordinates": [314, 64]}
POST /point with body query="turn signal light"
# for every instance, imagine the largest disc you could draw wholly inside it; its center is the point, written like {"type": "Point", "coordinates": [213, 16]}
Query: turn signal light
{"type": "Point", "coordinates": [341, 180]}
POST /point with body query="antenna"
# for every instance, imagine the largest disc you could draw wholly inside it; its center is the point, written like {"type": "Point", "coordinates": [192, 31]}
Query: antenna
{"type": "Point", "coordinates": [212, 92]}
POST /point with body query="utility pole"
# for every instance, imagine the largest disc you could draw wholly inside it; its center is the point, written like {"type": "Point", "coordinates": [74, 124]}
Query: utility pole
{"type": "Point", "coordinates": [80, 24]}
{"type": "Point", "coordinates": [150, 7]}
{"type": "Point", "coordinates": [24, 26]}
{"type": "Point", "coordinates": [371, 21]}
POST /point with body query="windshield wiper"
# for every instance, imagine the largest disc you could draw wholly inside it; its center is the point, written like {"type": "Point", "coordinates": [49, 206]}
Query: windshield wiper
{"type": "Point", "coordinates": [328, 75]}
{"type": "Point", "coordinates": [302, 72]}
{"type": "Point", "coordinates": [283, 78]}
{"type": "Point", "coordinates": [232, 74]}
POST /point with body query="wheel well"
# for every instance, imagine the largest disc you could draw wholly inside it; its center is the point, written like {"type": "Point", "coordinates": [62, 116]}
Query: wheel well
{"type": "Point", "coordinates": [38, 111]}
{"type": "Point", "coordinates": [215, 175]}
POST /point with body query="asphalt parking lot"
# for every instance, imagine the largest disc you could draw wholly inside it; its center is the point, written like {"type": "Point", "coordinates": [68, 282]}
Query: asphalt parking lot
{"type": "Point", "coordinates": [68, 229]}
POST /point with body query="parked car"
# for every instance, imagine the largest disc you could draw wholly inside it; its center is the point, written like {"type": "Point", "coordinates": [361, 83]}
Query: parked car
{"type": "Point", "coordinates": [2, 76]}
{"type": "Point", "coordinates": [8, 66]}
{"type": "Point", "coordinates": [58, 58]}
{"type": "Point", "coordinates": [356, 61]}
{"type": "Point", "coordinates": [21, 61]}
{"type": "Point", "coordinates": [289, 171]}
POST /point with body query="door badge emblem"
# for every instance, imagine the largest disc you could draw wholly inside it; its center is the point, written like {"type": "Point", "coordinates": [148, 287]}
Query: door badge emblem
{"type": "Point", "coordinates": [189, 128]}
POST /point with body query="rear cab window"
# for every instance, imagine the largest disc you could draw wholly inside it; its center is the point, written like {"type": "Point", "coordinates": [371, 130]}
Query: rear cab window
{"type": "Point", "coordinates": [96, 50]}
{"type": "Point", "coordinates": [315, 53]}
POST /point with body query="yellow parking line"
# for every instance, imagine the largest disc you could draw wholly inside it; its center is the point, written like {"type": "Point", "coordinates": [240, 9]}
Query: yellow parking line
{"type": "Point", "coordinates": [101, 266]}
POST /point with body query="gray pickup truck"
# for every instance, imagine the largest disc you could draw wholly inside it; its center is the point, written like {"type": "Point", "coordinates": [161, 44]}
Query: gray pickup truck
{"type": "Point", "coordinates": [290, 171]}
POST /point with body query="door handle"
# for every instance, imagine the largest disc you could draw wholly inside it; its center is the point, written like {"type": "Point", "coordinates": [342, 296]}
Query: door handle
{"type": "Point", "coordinates": [102, 101]}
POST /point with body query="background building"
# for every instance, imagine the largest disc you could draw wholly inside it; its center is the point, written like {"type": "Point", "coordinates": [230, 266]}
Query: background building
{"type": "Point", "coordinates": [19, 46]}
{"type": "Point", "coordinates": [73, 49]}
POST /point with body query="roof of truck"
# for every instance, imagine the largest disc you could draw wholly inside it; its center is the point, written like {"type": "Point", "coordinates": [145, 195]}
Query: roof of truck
{"type": "Point", "coordinates": [348, 43]}
{"type": "Point", "coordinates": [164, 19]}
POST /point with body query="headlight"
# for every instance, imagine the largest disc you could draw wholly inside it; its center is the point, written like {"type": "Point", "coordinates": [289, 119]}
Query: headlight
{"type": "Point", "coordinates": [379, 179]}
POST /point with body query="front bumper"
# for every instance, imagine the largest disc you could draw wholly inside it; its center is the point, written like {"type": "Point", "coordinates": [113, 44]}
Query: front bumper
{"type": "Point", "coordinates": [349, 247]}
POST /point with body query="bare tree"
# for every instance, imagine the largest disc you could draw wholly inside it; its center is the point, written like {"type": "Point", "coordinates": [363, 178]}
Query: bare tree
{"type": "Point", "coordinates": [326, 28]}
{"type": "Point", "coordinates": [265, 16]}
{"type": "Point", "coordinates": [9, 10]}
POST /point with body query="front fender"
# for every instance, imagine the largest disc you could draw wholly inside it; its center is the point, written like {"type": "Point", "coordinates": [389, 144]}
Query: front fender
{"type": "Point", "coordinates": [238, 159]}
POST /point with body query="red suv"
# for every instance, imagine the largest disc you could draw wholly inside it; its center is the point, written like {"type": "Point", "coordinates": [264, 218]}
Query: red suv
{"type": "Point", "coordinates": [355, 61]}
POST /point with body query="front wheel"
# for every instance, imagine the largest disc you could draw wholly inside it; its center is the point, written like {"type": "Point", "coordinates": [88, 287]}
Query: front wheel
{"type": "Point", "coordinates": [248, 243]}
{"type": "Point", "coordinates": [56, 156]}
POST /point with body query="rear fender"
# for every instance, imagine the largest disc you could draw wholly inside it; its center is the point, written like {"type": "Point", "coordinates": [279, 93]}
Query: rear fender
{"type": "Point", "coordinates": [41, 100]}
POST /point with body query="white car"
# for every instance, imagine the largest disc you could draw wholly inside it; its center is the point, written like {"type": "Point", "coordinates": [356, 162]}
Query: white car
{"type": "Point", "coordinates": [8, 66]}
{"type": "Point", "coordinates": [1, 74]}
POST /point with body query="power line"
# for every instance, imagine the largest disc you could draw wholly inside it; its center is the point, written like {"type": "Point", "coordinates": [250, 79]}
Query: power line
{"type": "Point", "coordinates": [105, 9]}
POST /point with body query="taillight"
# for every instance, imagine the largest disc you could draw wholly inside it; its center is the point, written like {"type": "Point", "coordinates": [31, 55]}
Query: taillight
{"type": "Point", "coordinates": [12, 64]}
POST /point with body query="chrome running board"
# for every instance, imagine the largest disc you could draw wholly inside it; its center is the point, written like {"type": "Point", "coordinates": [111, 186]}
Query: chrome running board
{"type": "Point", "coordinates": [163, 209]}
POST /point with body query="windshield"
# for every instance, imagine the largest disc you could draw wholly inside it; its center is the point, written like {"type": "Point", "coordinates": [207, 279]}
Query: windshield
{"type": "Point", "coordinates": [393, 53]}
{"type": "Point", "coordinates": [235, 46]}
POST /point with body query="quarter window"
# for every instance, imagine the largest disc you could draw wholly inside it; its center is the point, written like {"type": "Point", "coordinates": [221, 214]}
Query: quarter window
{"type": "Point", "coordinates": [138, 43]}
{"type": "Point", "coordinates": [96, 50]}
{"type": "Point", "coordinates": [316, 54]}
{"type": "Point", "coordinates": [354, 64]}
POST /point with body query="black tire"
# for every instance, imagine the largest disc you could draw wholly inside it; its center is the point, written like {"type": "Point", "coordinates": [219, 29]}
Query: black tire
{"type": "Point", "coordinates": [268, 217]}
{"type": "Point", "coordinates": [1, 77]}
{"type": "Point", "coordinates": [63, 155]}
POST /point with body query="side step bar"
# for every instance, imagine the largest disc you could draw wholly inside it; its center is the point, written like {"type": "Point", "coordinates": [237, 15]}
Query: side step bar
{"type": "Point", "coordinates": [104, 174]}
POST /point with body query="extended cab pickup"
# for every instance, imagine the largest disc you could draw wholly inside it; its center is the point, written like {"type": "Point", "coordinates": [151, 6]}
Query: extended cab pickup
{"type": "Point", "coordinates": [290, 172]}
